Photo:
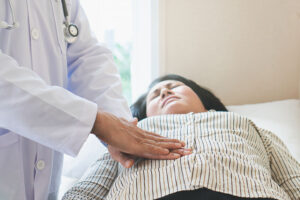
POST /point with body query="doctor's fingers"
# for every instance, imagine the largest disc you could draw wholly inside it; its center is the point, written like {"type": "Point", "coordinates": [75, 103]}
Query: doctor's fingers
{"type": "Point", "coordinates": [149, 148]}
{"type": "Point", "coordinates": [146, 150]}
{"type": "Point", "coordinates": [174, 154]}
{"type": "Point", "coordinates": [170, 156]}
{"type": "Point", "coordinates": [166, 144]}
{"type": "Point", "coordinates": [183, 151]}
{"type": "Point", "coordinates": [160, 138]}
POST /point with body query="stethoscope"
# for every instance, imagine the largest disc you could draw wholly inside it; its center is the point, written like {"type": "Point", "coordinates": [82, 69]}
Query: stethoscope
{"type": "Point", "coordinates": [70, 30]}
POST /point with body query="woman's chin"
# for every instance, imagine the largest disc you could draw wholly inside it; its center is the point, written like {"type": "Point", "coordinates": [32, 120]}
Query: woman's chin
{"type": "Point", "coordinates": [175, 108]}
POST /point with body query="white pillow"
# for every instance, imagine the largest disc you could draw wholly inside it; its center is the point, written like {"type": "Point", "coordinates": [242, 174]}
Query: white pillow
{"type": "Point", "coordinates": [280, 117]}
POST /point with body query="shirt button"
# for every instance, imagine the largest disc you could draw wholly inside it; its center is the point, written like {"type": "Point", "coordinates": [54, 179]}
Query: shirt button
{"type": "Point", "coordinates": [35, 34]}
{"type": "Point", "coordinates": [40, 165]}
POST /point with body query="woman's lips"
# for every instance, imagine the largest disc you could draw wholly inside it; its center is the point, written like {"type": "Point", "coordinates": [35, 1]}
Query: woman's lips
{"type": "Point", "coordinates": [168, 99]}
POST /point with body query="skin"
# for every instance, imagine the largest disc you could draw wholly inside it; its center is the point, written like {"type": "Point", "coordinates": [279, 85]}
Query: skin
{"type": "Point", "coordinates": [172, 97]}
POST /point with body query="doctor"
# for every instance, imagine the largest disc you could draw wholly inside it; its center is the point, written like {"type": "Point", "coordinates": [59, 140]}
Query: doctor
{"type": "Point", "coordinates": [57, 84]}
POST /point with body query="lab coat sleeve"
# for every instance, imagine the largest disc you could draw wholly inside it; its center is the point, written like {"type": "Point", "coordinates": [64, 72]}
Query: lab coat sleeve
{"type": "Point", "coordinates": [49, 115]}
{"type": "Point", "coordinates": [92, 72]}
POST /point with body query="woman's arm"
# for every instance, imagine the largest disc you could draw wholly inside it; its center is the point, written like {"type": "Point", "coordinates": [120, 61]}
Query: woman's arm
{"type": "Point", "coordinates": [96, 182]}
{"type": "Point", "coordinates": [284, 168]}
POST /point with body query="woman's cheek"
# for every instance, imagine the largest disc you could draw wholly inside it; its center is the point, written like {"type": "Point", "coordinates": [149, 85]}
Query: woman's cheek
{"type": "Point", "coordinates": [152, 108]}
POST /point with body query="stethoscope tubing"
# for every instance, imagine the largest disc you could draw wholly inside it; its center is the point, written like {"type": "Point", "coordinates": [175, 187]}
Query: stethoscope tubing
{"type": "Point", "coordinates": [65, 10]}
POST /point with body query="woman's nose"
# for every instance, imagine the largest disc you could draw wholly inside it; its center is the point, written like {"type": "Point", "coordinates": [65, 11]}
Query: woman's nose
{"type": "Point", "coordinates": [165, 92]}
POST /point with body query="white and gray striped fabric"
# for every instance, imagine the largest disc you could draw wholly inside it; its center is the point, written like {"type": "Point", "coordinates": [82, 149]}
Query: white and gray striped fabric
{"type": "Point", "coordinates": [230, 155]}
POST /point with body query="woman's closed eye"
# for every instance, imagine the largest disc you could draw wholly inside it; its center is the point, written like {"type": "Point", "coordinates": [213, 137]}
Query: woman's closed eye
{"type": "Point", "coordinates": [157, 92]}
{"type": "Point", "coordinates": [174, 86]}
{"type": "Point", "coordinates": [153, 96]}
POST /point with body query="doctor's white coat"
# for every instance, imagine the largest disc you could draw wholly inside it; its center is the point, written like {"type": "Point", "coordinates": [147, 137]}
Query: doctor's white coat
{"type": "Point", "coordinates": [49, 95]}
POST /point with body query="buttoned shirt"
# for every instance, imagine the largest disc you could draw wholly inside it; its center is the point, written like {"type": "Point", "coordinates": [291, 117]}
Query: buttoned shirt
{"type": "Point", "coordinates": [50, 92]}
{"type": "Point", "coordinates": [230, 155]}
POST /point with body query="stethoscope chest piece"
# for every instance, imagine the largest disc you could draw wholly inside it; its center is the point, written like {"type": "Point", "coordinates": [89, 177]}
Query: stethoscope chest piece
{"type": "Point", "coordinates": [71, 32]}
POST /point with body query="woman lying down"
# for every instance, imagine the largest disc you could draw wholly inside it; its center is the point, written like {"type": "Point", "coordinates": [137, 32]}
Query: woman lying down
{"type": "Point", "coordinates": [231, 158]}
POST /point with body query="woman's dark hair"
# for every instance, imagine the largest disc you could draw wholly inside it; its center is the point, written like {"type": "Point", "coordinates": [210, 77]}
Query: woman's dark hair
{"type": "Point", "coordinates": [209, 100]}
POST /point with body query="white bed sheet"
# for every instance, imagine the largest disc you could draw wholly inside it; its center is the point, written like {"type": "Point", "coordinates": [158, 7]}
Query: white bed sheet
{"type": "Point", "coordinates": [280, 117]}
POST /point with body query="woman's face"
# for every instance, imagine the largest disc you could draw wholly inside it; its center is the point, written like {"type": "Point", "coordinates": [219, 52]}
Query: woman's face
{"type": "Point", "coordinates": [172, 97]}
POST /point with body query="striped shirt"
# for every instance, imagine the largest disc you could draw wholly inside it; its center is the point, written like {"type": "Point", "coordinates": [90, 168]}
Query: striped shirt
{"type": "Point", "coordinates": [230, 155]}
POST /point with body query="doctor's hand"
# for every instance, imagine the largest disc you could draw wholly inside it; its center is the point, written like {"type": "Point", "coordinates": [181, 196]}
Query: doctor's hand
{"type": "Point", "coordinates": [127, 138]}
{"type": "Point", "coordinates": [128, 160]}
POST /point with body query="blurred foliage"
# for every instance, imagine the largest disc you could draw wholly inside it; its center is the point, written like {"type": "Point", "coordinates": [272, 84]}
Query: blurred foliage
{"type": "Point", "coordinates": [122, 58]}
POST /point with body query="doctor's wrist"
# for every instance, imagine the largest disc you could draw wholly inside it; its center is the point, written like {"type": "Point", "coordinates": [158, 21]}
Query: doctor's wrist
{"type": "Point", "coordinates": [100, 126]}
{"type": "Point", "coordinates": [96, 124]}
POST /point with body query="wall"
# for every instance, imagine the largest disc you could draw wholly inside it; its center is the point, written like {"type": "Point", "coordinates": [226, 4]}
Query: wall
{"type": "Point", "coordinates": [245, 51]}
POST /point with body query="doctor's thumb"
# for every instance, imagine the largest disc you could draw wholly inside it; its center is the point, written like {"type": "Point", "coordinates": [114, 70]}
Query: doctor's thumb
{"type": "Point", "coordinates": [134, 121]}
{"type": "Point", "coordinates": [125, 160]}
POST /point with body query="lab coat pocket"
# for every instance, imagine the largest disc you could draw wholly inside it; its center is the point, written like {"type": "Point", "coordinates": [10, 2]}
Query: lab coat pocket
{"type": "Point", "coordinates": [10, 167]}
